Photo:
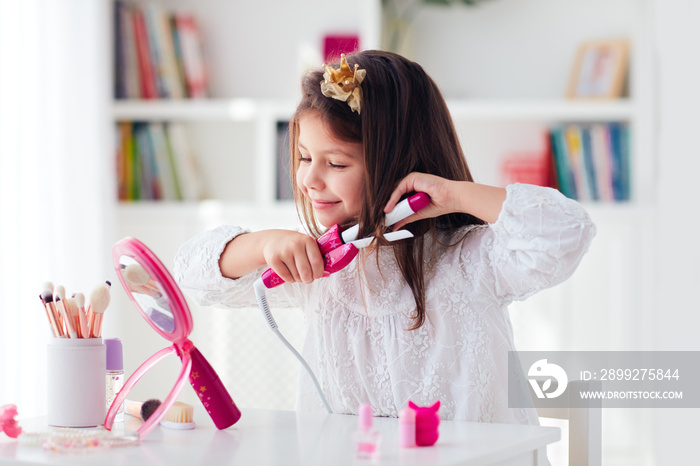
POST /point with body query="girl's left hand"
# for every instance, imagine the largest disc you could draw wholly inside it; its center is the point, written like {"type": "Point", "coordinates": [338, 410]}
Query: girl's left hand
{"type": "Point", "coordinates": [442, 192]}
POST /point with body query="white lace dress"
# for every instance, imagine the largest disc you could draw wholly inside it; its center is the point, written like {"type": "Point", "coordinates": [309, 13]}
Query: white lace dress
{"type": "Point", "coordinates": [356, 340]}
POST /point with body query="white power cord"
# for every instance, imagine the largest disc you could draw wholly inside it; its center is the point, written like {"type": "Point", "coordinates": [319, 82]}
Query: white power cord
{"type": "Point", "coordinates": [261, 296]}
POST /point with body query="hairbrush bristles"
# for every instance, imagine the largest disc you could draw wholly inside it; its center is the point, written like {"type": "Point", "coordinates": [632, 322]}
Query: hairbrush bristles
{"type": "Point", "coordinates": [179, 417]}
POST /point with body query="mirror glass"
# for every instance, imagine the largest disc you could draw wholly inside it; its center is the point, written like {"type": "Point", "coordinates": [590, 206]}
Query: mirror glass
{"type": "Point", "coordinates": [147, 293]}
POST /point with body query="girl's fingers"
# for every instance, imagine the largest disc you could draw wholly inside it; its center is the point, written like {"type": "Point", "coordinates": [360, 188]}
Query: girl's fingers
{"type": "Point", "coordinates": [405, 186]}
{"type": "Point", "coordinates": [303, 268]}
{"type": "Point", "coordinates": [306, 263]}
{"type": "Point", "coordinates": [315, 260]}
{"type": "Point", "coordinates": [281, 269]}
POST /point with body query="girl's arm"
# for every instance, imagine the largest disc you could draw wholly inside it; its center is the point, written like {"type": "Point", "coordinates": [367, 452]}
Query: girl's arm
{"type": "Point", "coordinates": [448, 196]}
{"type": "Point", "coordinates": [198, 273]}
{"type": "Point", "coordinates": [294, 256]}
{"type": "Point", "coordinates": [551, 232]}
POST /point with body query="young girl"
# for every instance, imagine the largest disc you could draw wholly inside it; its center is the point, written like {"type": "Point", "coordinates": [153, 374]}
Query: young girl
{"type": "Point", "coordinates": [422, 319]}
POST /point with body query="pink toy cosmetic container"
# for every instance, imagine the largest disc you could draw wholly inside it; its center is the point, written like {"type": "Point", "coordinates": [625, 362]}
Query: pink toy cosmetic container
{"type": "Point", "coordinates": [407, 428]}
{"type": "Point", "coordinates": [367, 439]}
{"type": "Point", "coordinates": [427, 423]}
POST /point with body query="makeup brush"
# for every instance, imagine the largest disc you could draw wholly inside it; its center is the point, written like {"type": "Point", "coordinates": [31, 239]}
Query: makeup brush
{"type": "Point", "coordinates": [142, 410]}
{"type": "Point", "coordinates": [56, 315]}
{"type": "Point", "coordinates": [74, 315]}
{"type": "Point", "coordinates": [140, 281]}
{"type": "Point", "coordinates": [82, 315]}
{"type": "Point", "coordinates": [48, 286]}
{"type": "Point", "coordinates": [99, 300]}
{"type": "Point", "coordinates": [46, 297]}
{"type": "Point", "coordinates": [65, 313]}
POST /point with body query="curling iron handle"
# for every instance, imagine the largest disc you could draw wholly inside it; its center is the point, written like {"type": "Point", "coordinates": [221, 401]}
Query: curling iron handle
{"type": "Point", "coordinates": [212, 393]}
{"type": "Point", "coordinates": [333, 261]}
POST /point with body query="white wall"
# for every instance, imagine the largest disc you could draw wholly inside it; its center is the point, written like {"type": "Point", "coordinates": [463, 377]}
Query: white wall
{"type": "Point", "coordinates": [676, 317]}
{"type": "Point", "coordinates": [511, 49]}
{"type": "Point", "coordinates": [54, 181]}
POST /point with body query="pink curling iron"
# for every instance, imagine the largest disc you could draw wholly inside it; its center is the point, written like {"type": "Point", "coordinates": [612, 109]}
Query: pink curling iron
{"type": "Point", "coordinates": [338, 249]}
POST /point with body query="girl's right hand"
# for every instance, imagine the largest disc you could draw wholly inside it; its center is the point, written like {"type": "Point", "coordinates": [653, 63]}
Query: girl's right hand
{"type": "Point", "coordinates": [294, 256]}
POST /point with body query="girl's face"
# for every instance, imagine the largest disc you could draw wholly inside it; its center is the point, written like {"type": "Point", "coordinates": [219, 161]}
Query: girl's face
{"type": "Point", "coordinates": [330, 172]}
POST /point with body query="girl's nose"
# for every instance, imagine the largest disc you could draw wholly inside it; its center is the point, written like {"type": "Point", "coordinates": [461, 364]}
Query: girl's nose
{"type": "Point", "coordinates": [312, 178]}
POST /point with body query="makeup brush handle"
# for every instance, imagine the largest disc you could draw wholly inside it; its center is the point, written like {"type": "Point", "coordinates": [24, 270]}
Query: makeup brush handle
{"type": "Point", "coordinates": [67, 319]}
{"type": "Point", "coordinates": [84, 329]}
{"type": "Point", "coordinates": [212, 393]}
{"type": "Point", "coordinates": [52, 320]}
{"type": "Point", "coordinates": [96, 330]}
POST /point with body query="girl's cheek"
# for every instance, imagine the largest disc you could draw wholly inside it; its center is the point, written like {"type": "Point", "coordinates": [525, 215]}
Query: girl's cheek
{"type": "Point", "coordinates": [300, 179]}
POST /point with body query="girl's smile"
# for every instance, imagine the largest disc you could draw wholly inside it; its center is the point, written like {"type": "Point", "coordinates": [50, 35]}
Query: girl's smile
{"type": "Point", "coordinates": [330, 172]}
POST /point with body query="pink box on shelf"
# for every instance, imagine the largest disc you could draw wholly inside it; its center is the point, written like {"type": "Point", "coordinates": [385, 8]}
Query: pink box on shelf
{"type": "Point", "coordinates": [335, 44]}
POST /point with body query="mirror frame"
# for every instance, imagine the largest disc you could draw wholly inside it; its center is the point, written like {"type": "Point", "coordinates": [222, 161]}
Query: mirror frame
{"type": "Point", "coordinates": [135, 249]}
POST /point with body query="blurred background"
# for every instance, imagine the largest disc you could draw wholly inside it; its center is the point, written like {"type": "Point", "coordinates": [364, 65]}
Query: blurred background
{"type": "Point", "coordinates": [161, 119]}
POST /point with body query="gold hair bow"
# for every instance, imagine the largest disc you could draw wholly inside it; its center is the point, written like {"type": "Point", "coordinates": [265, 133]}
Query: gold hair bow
{"type": "Point", "coordinates": [344, 83]}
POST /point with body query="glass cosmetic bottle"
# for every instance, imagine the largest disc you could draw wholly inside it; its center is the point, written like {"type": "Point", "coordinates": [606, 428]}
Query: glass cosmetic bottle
{"type": "Point", "coordinates": [367, 439]}
{"type": "Point", "coordinates": [115, 374]}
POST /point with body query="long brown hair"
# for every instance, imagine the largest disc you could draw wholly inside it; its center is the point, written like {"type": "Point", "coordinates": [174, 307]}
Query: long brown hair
{"type": "Point", "coordinates": [404, 126]}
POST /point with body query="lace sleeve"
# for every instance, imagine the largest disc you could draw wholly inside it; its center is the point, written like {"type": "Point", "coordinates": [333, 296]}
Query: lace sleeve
{"type": "Point", "coordinates": [537, 242]}
{"type": "Point", "coordinates": [199, 276]}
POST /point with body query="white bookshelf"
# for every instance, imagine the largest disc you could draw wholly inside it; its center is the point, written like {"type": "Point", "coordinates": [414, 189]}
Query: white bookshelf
{"type": "Point", "coordinates": [241, 109]}
{"type": "Point", "coordinates": [503, 77]}
{"type": "Point", "coordinates": [254, 79]}
{"type": "Point", "coordinates": [541, 110]}
{"type": "Point", "coordinates": [234, 110]}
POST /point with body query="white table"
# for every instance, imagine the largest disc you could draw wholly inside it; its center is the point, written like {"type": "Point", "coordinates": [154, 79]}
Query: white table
{"type": "Point", "coordinates": [266, 437]}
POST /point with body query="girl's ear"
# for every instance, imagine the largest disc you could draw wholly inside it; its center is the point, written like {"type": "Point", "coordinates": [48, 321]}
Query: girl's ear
{"type": "Point", "coordinates": [412, 405]}
{"type": "Point", "coordinates": [436, 406]}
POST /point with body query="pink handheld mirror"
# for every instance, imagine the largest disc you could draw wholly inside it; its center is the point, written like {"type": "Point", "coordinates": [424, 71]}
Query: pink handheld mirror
{"type": "Point", "coordinates": [157, 297]}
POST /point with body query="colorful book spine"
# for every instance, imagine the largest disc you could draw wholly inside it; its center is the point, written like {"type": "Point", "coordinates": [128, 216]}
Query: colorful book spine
{"type": "Point", "coordinates": [157, 54]}
{"type": "Point", "coordinates": [592, 162]}
{"type": "Point", "coordinates": [192, 58]}
{"type": "Point", "coordinates": [154, 161]}
{"type": "Point", "coordinates": [143, 50]}
{"type": "Point", "coordinates": [588, 163]}
{"type": "Point", "coordinates": [120, 87]}
{"type": "Point", "coordinates": [574, 150]}
{"type": "Point", "coordinates": [565, 177]}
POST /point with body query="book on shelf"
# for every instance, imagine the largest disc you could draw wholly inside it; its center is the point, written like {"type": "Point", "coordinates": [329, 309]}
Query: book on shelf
{"type": "Point", "coordinates": [155, 162]}
{"type": "Point", "coordinates": [189, 45]}
{"type": "Point", "coordinates": [585, 162]}
{"type": "Point", "coordinates": [592, 161]}
{"type": "Point", "coordinates": [157, 53]}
